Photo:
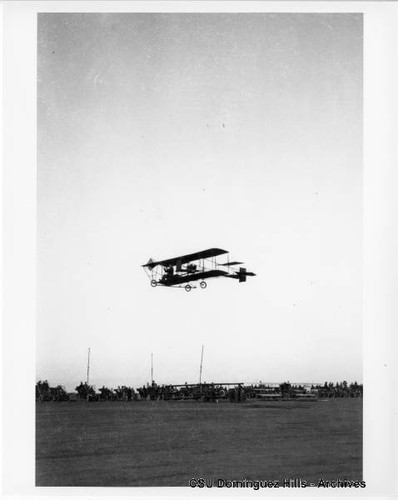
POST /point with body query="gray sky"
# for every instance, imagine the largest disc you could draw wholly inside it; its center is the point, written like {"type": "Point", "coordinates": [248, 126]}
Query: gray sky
{"type": "Point", "coordinates": [165, 134]}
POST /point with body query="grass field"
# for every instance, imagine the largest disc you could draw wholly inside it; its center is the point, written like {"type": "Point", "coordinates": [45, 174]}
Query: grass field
{"type": "Point", "coordinates": [167, 443]}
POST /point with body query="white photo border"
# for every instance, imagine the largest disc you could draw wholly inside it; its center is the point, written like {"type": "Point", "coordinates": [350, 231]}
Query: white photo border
{"type": "Point", "coordinates": [380, 207]}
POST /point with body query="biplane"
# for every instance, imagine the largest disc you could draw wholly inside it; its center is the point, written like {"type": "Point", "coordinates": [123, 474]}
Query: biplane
{"type": "Point", "coordinates": [195, 267]}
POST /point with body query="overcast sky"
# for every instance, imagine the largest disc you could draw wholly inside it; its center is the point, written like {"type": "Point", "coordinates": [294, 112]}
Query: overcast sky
{"type": "Point", "coordinates": [165, 134]}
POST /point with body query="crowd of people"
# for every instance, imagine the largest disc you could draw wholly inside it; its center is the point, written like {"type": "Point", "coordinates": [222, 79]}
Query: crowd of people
{"type": "Point", "coordinates": [199, 392]}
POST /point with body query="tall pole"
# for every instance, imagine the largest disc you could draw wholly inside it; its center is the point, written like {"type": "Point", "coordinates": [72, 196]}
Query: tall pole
{"type": "Point", "coordinates": [151, 367]}
{"type": "Point", "coordinates": [201, 365]}
{"type": "Point", "coordinates": [88, 367]}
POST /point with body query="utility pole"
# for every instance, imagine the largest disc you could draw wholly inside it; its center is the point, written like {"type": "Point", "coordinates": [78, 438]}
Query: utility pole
{"type": "Point", "coordinates": [88, 367]}
{"type": "Point", "coordinates": [201, 365]}
{"type": "Point", "coordinates": [151, 368]}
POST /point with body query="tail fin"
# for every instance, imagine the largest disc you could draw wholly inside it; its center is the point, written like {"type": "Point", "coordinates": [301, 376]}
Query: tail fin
{"type": "Point", "coordinates": [242, 274]}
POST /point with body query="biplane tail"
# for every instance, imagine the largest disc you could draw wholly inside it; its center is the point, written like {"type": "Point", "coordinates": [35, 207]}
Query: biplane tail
{"type": "Point", "coordinates": [242, 274]}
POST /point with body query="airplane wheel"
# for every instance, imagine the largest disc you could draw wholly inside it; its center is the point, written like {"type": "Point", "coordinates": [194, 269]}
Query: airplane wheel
{"type": "Point", "coordinates": [154, 283]}
{"type": "Point", "coordinates": [203, 284]}
{"type": "Point", "coordinates": [188, 288]}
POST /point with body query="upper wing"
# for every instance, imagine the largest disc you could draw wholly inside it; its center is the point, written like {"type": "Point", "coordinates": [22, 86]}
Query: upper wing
{"type": "Point", "coordinates": [184, 259]}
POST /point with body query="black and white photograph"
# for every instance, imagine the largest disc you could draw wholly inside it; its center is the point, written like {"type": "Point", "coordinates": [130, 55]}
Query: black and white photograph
{"type": "Point", "coordinates": [199, 252]}
{"type": "Point", "coordinates": [174, 149]}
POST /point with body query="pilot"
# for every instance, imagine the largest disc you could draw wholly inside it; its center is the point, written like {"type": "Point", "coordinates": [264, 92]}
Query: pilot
{"type": "Point", "coordinates": [168, 275]}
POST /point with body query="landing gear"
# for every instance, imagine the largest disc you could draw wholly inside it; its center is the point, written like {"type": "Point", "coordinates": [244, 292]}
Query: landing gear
{"type": "Point", "coordinates": [154, 283]}
{"type": "Point", "coordinates": [203, 284]}
{"type": "Point", "coordinates": [188, 288]}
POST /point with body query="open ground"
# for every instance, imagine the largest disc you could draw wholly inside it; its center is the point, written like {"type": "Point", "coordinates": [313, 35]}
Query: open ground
{"type": "Point", "coordinates": [158, 443]}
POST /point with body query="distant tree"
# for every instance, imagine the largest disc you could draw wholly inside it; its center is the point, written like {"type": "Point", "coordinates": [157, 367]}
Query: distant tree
{"type": "Point", "coordinates": [43, 391]}
{"type": "Point", "coordinates": [86, 391]}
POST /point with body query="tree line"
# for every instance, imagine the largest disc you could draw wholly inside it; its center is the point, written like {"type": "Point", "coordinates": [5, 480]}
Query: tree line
{"type": "Point", "coordinates": [200, 392]}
